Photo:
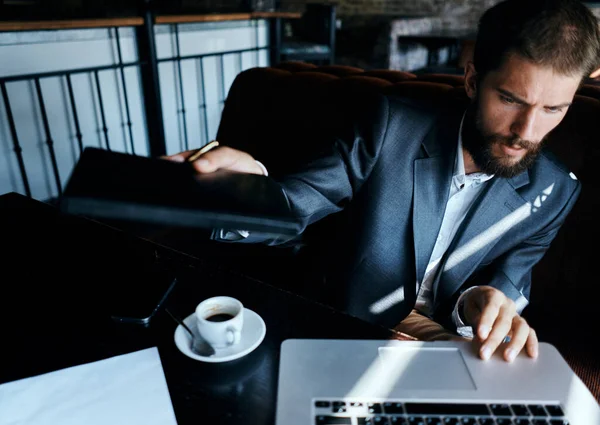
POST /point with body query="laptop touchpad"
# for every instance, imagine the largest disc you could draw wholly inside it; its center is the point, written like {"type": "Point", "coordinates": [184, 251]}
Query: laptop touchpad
{"type": "Point", "coordinates": [420, 368]}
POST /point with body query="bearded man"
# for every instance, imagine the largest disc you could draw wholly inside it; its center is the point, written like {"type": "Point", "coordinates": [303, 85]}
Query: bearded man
{"type": "Point", "coordinates": [447, 211]}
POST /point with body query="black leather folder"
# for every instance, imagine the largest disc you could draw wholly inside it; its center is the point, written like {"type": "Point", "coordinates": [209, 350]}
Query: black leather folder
{"type": "Point", "coordinates": [121, 186]}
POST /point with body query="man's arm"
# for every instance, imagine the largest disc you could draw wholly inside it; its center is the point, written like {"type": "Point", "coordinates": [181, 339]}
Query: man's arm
{"type": "Point", "coordinates": [497, 296]}
{"type": "Point", "coordinates": [327, 183]}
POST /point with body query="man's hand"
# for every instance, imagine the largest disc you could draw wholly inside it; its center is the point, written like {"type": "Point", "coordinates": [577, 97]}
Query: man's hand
{"type": "Point", "coordinates": [493, 316]}
{"type": "Point", "coordinates": [220, 158]}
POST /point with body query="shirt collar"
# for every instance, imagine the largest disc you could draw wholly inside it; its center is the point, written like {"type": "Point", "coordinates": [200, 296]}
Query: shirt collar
{"type": "Point", "coordinates": [460, 179]}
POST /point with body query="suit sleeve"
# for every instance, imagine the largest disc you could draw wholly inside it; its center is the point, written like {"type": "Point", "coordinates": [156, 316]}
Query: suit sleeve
{"type": "Point", "coordinates": [330, 179]}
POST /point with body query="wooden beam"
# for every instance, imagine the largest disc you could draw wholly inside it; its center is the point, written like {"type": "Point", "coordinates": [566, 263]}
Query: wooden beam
{"type": "Point", "coordinates": [138, 21]}
{"type": "Point", "coordinates": [283, 15]}
{"type": "Point", "coordinates": [70, 24]}
{"type": "Point", "coordinates": [181, 19]}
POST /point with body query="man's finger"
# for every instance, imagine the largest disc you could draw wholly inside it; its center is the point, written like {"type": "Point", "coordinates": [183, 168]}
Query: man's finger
{"type": "Point", "coordinates": [228, 158]}
{"type": "Point", "coordinates": [203, 165]}
{"type": "Point", "coordinates": [532, 345]}
{"type": "Point", "coordinates": [217, 158]}
{"type": "Point", "coordinates": [175, 158]}
{"type": "Point", "coordinates": [500, 329]}
{"type": "Point", "coordinates": [180, 156]}
{"type": "Point", "coordinates": [491, 305]}
{"type": "Point", "coordinates": [520, 334]}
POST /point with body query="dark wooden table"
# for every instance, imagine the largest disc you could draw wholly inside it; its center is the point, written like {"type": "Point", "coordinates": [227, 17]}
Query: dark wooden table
{"type": "Point", "coordinates": [67, 269]}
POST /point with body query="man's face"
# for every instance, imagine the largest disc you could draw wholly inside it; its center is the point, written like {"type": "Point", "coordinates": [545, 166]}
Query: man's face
{"type": "Point", "coordinates": [513, 109]}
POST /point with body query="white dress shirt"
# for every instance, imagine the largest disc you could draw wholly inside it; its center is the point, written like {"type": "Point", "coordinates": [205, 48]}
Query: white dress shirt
{"type": "Point", "coordinates": [464, 189]}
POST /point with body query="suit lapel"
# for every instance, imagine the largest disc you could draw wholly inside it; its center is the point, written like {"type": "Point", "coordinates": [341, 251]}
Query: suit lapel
{"type": "Point", "coordinates": [495, 212]}
{"type": "Point", "coordinates": [432, 178]}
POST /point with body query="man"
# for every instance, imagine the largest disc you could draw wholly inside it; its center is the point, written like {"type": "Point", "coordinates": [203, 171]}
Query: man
{"type": "Point", "coordinates": [448, 211]}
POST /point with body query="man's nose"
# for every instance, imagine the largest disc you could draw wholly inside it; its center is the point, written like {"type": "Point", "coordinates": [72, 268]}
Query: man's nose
{"type": "Point", "coordinates": [524, 126]}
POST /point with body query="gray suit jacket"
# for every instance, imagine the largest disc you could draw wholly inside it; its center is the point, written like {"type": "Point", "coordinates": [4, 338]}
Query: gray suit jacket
{"type": "Point", "coordinates": [390, 173]}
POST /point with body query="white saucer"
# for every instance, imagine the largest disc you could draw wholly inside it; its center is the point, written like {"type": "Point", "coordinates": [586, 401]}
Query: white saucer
{"type": "Point", "coordinates": [253, 332]}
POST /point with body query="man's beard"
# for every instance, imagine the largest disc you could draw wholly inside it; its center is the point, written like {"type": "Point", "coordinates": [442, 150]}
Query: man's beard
{"type": "Point", "coordinates": [480, 145]}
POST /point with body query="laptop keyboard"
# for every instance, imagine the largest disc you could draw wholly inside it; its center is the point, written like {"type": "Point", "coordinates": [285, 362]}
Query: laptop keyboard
{"type": "Point", "coordinates": [337, 412]}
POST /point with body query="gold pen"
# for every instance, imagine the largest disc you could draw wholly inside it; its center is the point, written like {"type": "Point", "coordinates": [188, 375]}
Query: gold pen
{"type": "Point", "coordinates": [202, 151]}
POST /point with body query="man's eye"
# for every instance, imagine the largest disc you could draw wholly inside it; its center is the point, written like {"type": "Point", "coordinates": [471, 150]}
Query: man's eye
{"type": "Point", "coordinates": [554, 110]}
{"type": "Point", "coordinates": [507, 99]}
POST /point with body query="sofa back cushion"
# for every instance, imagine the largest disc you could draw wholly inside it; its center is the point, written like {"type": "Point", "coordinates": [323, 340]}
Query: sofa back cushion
{"type": "Point", "coordinates": [282, 114]}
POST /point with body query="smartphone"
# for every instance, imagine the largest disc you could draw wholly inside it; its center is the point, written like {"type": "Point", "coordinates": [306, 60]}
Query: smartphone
{"type": "Point", "coordinates": [137, 297]}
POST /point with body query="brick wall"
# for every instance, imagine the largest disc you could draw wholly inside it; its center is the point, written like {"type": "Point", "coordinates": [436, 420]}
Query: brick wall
{"type": "Point", "coordinates": [370, 28]}
{"type": "Point", "coordinates": [453, 13]}
{"type": "Point", "coordinates": [370, 41]}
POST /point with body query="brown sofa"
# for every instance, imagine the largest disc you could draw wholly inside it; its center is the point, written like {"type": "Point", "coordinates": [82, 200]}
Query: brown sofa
{"type": "Point", "coordinates": [279, 114]}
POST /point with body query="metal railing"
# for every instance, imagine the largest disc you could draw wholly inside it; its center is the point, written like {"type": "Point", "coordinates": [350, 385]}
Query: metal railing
{"type": "Point", "coordinates": [178, 59]}
{"type": "Point", "coordinates": [147, 65]}
{"type": "Point", "coordinates": [49, 141]}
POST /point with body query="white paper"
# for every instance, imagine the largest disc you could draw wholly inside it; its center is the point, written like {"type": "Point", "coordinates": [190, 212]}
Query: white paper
{"type": "Point", "coordinates": [129, 389]}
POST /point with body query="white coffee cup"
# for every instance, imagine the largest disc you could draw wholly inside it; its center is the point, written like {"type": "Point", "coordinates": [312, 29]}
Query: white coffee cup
{"type": "Point", "coordinates": [220, 321]}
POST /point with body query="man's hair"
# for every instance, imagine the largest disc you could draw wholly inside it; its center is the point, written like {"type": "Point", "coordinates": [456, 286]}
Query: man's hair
{"type": "Point", "coordinates": [561, 34]}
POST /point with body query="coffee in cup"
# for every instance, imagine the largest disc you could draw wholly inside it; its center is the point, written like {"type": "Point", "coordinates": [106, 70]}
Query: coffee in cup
{"type": "Point", "coordinates": [219, 317]}
{"type": "Point", "coordinates": [220, 320]}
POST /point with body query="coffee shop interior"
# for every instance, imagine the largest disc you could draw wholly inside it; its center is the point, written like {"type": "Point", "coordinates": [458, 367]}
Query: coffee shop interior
{"type": "Point", "coordinates": [128, 311]}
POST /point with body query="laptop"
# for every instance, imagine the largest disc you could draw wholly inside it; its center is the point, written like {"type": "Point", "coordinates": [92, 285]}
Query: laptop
{"type": "Point", "coordinates": [360, 382]}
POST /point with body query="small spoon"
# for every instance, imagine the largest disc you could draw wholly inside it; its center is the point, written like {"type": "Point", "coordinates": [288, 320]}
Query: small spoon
{"type": "Point", "coordinates": [199, 345]}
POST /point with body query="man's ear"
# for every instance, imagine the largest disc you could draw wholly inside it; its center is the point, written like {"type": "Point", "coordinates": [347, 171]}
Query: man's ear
{"type": "Point", "coordinates": [470, 80]}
